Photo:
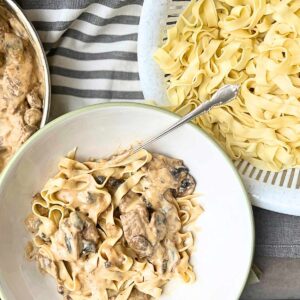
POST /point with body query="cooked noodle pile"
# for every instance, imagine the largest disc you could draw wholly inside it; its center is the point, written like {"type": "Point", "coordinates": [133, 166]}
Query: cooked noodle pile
{"type": "Point", "coordinates": [255, 43]}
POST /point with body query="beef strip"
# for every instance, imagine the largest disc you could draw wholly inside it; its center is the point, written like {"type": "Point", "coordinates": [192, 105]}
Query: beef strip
{"type": "Point", "coordinates": [134, 225]}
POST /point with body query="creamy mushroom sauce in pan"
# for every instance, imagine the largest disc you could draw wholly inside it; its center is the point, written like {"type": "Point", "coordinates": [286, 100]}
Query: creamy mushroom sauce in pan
{"type": "Point", "coordinates": [115, 229]}
{"type": "Point", "coordinates": [21, 86]}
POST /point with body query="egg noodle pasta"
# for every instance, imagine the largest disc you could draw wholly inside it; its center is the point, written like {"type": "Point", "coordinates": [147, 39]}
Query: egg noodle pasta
{"type": "Point", "coordinates": [115, 229]}
{"type": "Point", "coordinates": [254, 43]}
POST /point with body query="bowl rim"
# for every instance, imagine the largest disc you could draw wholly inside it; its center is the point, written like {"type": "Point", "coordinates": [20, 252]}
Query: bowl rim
{"type": "Point", "coordinates": [78, 112]}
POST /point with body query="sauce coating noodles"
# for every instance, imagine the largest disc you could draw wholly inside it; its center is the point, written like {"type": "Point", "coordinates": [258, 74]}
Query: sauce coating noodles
{"type": "Point", "coordinates": [115, 229]}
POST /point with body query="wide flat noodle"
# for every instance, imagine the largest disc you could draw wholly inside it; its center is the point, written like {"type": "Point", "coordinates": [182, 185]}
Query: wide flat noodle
{"type": "Point", "coordinates": [254, 43]}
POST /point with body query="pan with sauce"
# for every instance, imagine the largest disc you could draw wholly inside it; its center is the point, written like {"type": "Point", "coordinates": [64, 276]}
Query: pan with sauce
{"type": "Point", "coordinates": [22, 87]}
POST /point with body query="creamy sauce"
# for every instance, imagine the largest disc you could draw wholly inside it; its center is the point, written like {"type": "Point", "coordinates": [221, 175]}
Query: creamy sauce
{"type": "Point", "coordinates": [21, 87]}
{"type": "Point", "coordinates": [99, 250]}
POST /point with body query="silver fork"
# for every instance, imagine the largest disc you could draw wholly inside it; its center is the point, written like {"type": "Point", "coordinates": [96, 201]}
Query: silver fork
{"type": "Point", "coordinates": [221, 96]}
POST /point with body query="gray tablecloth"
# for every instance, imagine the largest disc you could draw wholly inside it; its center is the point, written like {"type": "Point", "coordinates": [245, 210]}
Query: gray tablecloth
{"type": "Point", "coordinates": [280, 280]}
{"type": "Point", "coordinates": [91, 48]}
{"type": "Point", "coordinates": [277, 235]}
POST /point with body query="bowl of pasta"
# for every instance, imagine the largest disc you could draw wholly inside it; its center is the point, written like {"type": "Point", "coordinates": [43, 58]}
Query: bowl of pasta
{"type": "Point", "coordinates": [83, 218]}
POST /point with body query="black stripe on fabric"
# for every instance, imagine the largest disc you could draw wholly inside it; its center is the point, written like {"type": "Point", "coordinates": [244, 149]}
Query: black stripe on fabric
{"type": "Point", "coordinates": [52, 26]}
{"type": "Point", "coordinates": [101, 38]}
{"type": "Point", "coordinates": [103, 74]}
{"type": "Point", "coordinates": [74, 4]}
{"type": "Point", "coordinates": [103, 94]}
{"type": "Point", "coordinates": [49, 46]}
{"type": "Point", "coordinates": [99, 21]}
{"type": "Point", "coordinates": [119, 55]}
{"type": "Point", "coordinates": [87, 17]}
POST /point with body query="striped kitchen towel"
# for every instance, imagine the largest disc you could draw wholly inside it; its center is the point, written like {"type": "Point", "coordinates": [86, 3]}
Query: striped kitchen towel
{"type": "Point", "coordinates": [91, 48]}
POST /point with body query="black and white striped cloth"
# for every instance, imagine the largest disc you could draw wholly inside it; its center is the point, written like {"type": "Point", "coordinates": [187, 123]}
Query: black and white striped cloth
{"type": "Point", "coordinates": [91, 47]}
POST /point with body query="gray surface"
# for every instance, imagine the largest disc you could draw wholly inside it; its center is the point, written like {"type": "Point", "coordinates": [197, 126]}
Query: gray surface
{"type": "Point", "coordinates": [277, 235]}
{"type": "Point", "coordinates": [280, 280]}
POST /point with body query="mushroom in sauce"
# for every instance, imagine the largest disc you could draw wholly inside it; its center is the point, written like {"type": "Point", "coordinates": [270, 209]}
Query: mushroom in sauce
{"type": "Point", "coordinates": [77, 235]}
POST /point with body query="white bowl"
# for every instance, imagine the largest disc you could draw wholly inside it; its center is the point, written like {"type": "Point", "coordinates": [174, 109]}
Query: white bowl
{"type": "Point", "coordinates": [224, 245]}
